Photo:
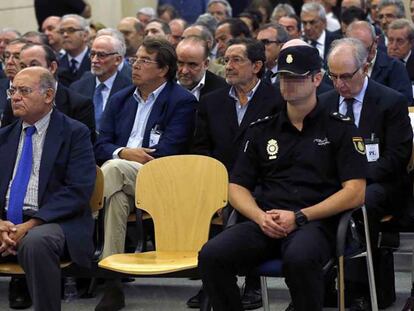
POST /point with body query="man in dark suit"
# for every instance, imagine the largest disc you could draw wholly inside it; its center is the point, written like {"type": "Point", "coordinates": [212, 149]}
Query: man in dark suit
{"type": "Point", "coordinates": [107, 53]}
{"type": "Point", "coordinates": [382, 68]}
{"type": "Point", "coordinates": [192, 65]}
{"type": "Point", "coordinates": [70, 103]}
{"type": "Point", "coordinates": [381, 115]}
{"type": "Point", "coordinates": [313, 17]}
{"type": "Point", "coordinates": [48, 175]}
{"type": "Point", "coordinates": [224, 116]}
{"type": "Point", "coordinates": [400, 36]}
{"type": "Point", "coordinates": [153, 118]}
{"type": "Point", "coordinates": [75, 33]}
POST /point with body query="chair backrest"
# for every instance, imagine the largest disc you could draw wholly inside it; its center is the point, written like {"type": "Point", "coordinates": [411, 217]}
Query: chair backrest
{"type": "Point", "coordinates": [181, 193]}
{"type": "Point", "coordinates": [97, 200]}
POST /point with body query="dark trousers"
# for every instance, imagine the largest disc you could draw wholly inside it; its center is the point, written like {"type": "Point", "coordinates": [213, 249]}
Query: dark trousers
{"type": "Point", "coordinates": [244, 246]}
{"type": "Point", "coordinates": [39, 254]}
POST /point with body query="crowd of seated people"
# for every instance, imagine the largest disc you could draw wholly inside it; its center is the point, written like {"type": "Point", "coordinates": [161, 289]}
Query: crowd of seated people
{"type": "Point", "coordinates": [306, 106]}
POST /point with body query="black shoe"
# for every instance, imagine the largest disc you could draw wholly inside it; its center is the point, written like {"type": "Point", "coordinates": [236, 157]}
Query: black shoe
{"type": "Point", "coordinates": [19, 297]}
{"type": "Point", "coordinates": [251, 299]}
{"type": "Point", "coordinates": [112, 300]}
{"type": "Point", "coordinates": [360, 304]}
{"type": "Point", "coordinates": [194, 302]}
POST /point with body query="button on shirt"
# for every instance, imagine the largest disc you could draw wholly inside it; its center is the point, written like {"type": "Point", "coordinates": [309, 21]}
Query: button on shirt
{"type": "Point", "coordinates": [357, 106]}
{"type": "Point", "coordinates": [241, 109]}
{"type": "Point", "coordinates": [297, 169]}
{"type": "Point", "coordinates": [107, 90]}
{"type": "Point", "coordinates": [141, 117]}
{"type": "Point", "coordinates": [31, 200]}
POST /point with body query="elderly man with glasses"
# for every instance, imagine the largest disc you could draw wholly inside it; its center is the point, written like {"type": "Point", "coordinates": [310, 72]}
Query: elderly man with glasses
{"type": "Point", "coordinates": [151, 119]}
{"type": "Point", "coordinates": [381, 114]}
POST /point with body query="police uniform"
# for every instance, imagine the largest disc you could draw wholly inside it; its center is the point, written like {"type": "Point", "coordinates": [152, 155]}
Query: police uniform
{"type": "Point", "coordinates": [295, 169]}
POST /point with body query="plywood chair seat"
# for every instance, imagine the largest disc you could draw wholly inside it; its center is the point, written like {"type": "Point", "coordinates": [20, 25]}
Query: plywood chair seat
{"type": "Point", "coordinates": [150, 263]}
{"type": "Point", "coordinates": [14, 268]}
{"type": "Point", "coordinates": [181, 194]}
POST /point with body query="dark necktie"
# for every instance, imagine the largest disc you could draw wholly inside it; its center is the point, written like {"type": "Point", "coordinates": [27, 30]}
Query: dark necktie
{"type": "Point", "coordinates": [268, 76]}
{"type": "Point", "coordinates": [314, 43]}
{"type": "Point", "coordinates": [349, 108]}
{"type": "Point", "coordinates": [73, 68]}
{"type": "Point", "coordinates": [98, 103]}
{"type": "Point", "coordinates": [18, 187]}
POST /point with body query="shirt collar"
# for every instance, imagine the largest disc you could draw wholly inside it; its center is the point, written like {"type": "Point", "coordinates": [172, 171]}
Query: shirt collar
{"type": "Point", "coordinates": [41, 125]}
{"type": "Point", "coordinates": [360, 95]}
{"type": "Point", "coordinates": [152, 96]}
{"type": "Point", "coordinates": [200, 84]}
{"type": "Point", "coordinates": [407, 57]}
{"type": "Point", "coordinates": [250, 94]}
{"type": "Point", "coordinates": [321, 39]}
{"type": "Point", "coordinates": [108, 82]}
{"type": "Point", "coordinates": [78, 58]}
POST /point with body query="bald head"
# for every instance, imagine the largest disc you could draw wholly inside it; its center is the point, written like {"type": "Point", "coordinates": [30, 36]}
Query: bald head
{"type": "Point", "coordinates": [133, 32]}
{"type": "Point", "coordinates": [294, 42]}
{"type": "Point", "coordinates": [32, 94]}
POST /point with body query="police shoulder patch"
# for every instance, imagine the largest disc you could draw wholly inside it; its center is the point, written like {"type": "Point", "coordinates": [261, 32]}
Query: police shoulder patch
{"type": "Point", "coordinates": [340, 117]}
{"type": "Point", "coordinates": [262, 120]}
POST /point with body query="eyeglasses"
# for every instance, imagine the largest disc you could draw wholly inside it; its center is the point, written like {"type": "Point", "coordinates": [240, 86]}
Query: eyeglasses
{"type": "Point", "coordinates": [100, 55]}
{"type": "Point", "coordinates": [346, 77]}
{"type": "Point", "coordinates": [141, 61]}
{"type": "Point", "coordinates": [267, 41]}
{"type": "Point", "coordinates": [234, 60]}
{"type": "Point", "coordinates": [22, 90]}
{"type": "Point", "coordinates": [69, 30]}
{"type": "Point", "coordinates": [387, 16]}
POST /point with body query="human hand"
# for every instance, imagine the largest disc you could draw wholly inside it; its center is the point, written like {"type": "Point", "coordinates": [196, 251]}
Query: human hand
{"type": "Point", "coordinates": [284, 218]}
{"type": "Point", "coordinates": [269, 223]}
{"type": "Point", "coordinates": [7, 244]}
{"type": "Point", "coordinates": [140, 155]}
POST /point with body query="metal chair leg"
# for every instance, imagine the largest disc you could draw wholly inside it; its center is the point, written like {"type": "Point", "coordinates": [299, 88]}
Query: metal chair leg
{"type": "Point", "coordinates": [341, 284]}
{"type": "Point", "coordinates": [370, 266]}
{"type": "Point", "coordinates": [265, 298]}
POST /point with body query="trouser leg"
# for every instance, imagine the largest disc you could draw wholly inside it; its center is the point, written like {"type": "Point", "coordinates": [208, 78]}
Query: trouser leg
{"type": "Point", "coordinates": [304, 253]}
{"type": "Point", "coordinates": [39, 254]}
{"type": "Point", "coordinates": [236, 249]}
{"type": "Point", "coordinates": [119, 191]}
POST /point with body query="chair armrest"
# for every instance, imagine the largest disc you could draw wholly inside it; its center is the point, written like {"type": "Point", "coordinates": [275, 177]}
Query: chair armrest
{"type": "Point", "coordinates": [99, 232]}
{"type": "Point", "coordinates": [341, 233]}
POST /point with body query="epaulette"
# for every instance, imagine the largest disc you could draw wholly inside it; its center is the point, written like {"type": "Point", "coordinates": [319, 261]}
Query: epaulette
{"type": "Point", "coordinates": [340, 117]}
{"type": "Point", "coordinates": [259, 121]}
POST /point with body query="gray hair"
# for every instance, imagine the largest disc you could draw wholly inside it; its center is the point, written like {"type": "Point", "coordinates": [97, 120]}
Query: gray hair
{"type": "Point", "coordinates": [207, 21]}
{"type": "Point", "coordinates": [282, 9]}
{"type": "Point", "coordinates": [402, 23]}
{"type": "Point", "coordinates": [315, 7]}
{"type": "Point", "coordinates": [8, 29]}
{"type": "Point", "coordinates": [398, 4]}
{"type": "Point", "coordinates": [225, 3]}
{"type": "Point", "coordinates": [359, 51]}
{"type": "Point", "coordinates": [282, 35]}
{"type": "Point", "coordinates": [47, 81]}
{"type": "Point", "coordinates": [83, 23]}
{"type": "Point", "coordinates": [205, 33]}
{"type": "Point", "coordinates": [116, 37]}
{"type": "Point", "coordinates": [361, 25]}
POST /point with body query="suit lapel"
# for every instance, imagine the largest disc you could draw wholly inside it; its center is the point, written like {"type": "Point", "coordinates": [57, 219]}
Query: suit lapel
{"type": "Point", "coordinates": [51, 147]}
{"type": "Point", "coordinates": [368, 105]}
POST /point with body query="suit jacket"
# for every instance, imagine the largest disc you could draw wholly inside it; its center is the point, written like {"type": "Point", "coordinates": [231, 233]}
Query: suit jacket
{"type": "Point", "coordinates": [384, 113]}
{"type": "Point", "coordinates": [213, 82]}
{"type": "Point", "coordinates": [390, 72]}
{"type": "Point", "coordinates": [66, 180]}
{"type": "Point", "coordinates": [409, 65]}
{"type": "Point", "coordinates": [173, 113]}
{"type": "Point", "coordinates": [70, 103]}
{"type": "Point", "coordinates": [4, 85]}
{"type": "Point", "coordinates": [64, 74]}
{"type": "Point", "coordinates": [86, 85]}
{"type": "Point", "coordinates": [329, 38]}
{"type": "Point", "coordinates": [218, 133]}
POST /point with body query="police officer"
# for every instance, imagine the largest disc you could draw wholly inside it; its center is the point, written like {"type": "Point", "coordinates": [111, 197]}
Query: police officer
{"type": "Point", "coordinates": [310, 166]}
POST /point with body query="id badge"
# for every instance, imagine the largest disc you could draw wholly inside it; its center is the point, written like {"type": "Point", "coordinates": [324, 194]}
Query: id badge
{"type": "Point", "coordinates": [154, 136]}
{"type": "Point", "coordinates": [372, 148]}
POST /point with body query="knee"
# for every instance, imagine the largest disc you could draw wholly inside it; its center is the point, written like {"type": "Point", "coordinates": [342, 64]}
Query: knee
{"type": "Point", "coordinates": [298, 261]}
{"type": "Point", "coordinates": [208, 257]}
{"type": "Point", "coordinates": [111, 167]}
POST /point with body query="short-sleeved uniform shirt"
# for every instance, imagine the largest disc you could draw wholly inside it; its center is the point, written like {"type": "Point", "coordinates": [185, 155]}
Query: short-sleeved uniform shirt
{"type": "Point", "coordinates": [297, 169]}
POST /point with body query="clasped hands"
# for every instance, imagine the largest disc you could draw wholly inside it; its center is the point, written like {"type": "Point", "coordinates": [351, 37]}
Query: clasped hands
{"type": "Point", "coordinates": [277, 223]}
{"type": "Point", "coordinates": [10, 236]}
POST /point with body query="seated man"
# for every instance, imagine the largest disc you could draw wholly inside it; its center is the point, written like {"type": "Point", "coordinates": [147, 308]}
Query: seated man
{"type": "Point", "coordinates": [309, 168]}
{"type": "Point", "coordinates": [47, 178]}
{"type": "Point", "coordinates": [153, 118]}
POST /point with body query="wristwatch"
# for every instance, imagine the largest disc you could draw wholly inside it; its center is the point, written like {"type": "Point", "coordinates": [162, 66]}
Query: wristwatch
{"type": "Point", "coordinates": [300, 218]}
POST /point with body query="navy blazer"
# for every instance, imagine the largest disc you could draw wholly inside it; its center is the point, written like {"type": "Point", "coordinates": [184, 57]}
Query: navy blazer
{"type": "Point", "coordinates": [212, 83]}
{"type": "Point", "coordinates": [218, 133]}
{"type": "Point", "coordinates": [409, 65]}
{"type": "Point", "coordinates": [391, 72]}
{"type": "Point", "coordinates": [384, 113]}
{"type": "Point", "coordinates": [64, 74]}
{"type": "Point", "coordinates": [66, 180]}
{"type": "Point", "coordinates": [86, 85]}
{"type": "Point", "coordinates": [4, 85]}
{"type": "Point", "coordinates": [173, 113]}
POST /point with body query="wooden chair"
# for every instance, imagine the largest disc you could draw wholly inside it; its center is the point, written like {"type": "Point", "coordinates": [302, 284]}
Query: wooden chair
{"type": "Point", "coordinates": [181, 193]}
{"type": "Point", "coordinates": [96, 204]}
